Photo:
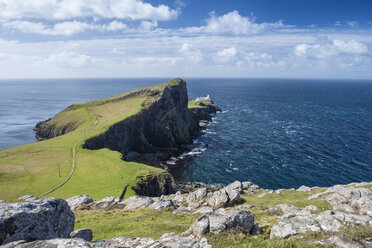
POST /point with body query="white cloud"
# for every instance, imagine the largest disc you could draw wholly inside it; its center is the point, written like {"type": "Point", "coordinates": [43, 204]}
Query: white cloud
{"type": "Point", "coordinates": [158, 54]}
{"type": "Point", "coordinates": [226, 54]}
{"type": "Point", "coordinates": [115, 26]}
{"type": "Point", "coordinates": [260, 60]}
{"type": "Point", "coordinates": [148, 25]}
{"type": "Point", "coordinates": [155, 61]}
{"type": "Point", "coordinates": [73, 9]}
{"type": "Point", "coordinates": [234, 23]}
{"type": "Point", "coordinates": [352, 47]}
{"type": "Point", "coordinates": [337, 47]}
{"type": "Point", "coordinates": [62, 28]}
{"type": "Point", "coordinates": [72, 59]}
{"type": "Point", "coordinates": [190, 53]}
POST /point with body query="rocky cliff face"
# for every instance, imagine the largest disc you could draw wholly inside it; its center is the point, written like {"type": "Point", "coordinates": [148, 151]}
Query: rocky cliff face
{"type": "Point", "coordinates": [165, 124]}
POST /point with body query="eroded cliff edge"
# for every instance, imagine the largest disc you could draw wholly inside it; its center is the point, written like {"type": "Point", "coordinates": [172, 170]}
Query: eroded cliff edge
{"type": "Point", "coordinates": [164, 127]}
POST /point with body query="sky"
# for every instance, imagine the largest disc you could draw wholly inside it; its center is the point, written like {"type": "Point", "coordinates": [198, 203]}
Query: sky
{"type": "Point", "coordinates": [186, 38]}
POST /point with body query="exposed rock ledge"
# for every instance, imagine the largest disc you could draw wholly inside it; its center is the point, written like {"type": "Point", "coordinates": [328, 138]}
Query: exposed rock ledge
{"type": "Point", "coordinates": [220, 211]}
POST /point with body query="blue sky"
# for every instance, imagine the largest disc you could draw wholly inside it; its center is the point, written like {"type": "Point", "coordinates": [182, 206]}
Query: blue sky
{"type": "Point", "coordinates": [185, 38]}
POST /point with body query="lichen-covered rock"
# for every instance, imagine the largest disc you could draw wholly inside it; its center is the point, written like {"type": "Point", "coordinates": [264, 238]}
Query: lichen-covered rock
{"type": "Point", "coordinates": [222, 219]}
{"type": "Point", "coordinates": [200, 226]}
{"type": "Point", "coordinates": [204, 210]}
{"type": "Point", "coordinates": [340, 242]}
{"type": "Point", "coordinates": [353, 219]}
{"type": "Point", "coordinates": [304, 188]}
{"type": "Point", "coordinates": [161, 204]}
{"type": "Point", "coordinates": [78, 201]}
{"type": "Point", "coordinates": [52, 243]}
{"type": "Point", "coordinates": [219, 199]}
{"type": "Point", "coordinates": [175, 241]}
{"type": "Point", "coordinates": [84, 233]}
{"type": "Point", "coordinates": [294, 225]}
{"type": "Point", "coordinates": [197, 196]}
{"type": "Point", "coordinates": [235, 186]}
{"type": "Point", "coordinates": [136, 202]}
{"type": "Point", "coordinates": [336, 199]}
{"type": "Point", "coordinates": [38, 220]}
{"type": "Point", "coordinates": [106, 203]}
{"type": "Point", "coordinates": [246, 185]}
{"type": "Point", "coordinates": [234, 196]}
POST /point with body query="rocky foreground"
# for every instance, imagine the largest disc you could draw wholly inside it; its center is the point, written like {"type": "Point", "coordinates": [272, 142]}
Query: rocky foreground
{"type": "Point", "coordinates": [50, 222]}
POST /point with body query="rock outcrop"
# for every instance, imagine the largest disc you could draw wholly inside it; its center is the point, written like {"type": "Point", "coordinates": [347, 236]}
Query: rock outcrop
{"type": "Point", "coordinates": [156, 185]}
{"type": "Point", "coordinates": [351, 207]}
{"type": "Point", "coordinates": [78, 201]}
{"type": "Point", "coordinates": [167, 240]}
{"type": "Point", "coordinates": [222, 220]}
{"type": "Point", "coordinates": [38, 220]}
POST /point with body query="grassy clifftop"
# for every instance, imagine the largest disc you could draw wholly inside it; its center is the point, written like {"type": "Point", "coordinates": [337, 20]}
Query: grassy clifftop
{"type": "Point", "coordinates": [35, 168]}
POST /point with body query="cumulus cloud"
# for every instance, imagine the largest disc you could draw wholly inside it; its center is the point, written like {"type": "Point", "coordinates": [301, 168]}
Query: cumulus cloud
{"type": "Point", "coordinates": [62, 28]}
{"type": "Point", "coordinates": [337, 47]}
{"type": "Point", "coordinates": [190, 53]}
{"type": "Point", "coordinates": [72, 59]}
{"type": "Point", "coordinates": [73, 9]}
{"type": "Point", "coordinates": [234, 23]}
{"type": "Point", "coordinates": [148, 25]}
{"type": "Point", "coordinates": [226, 54]}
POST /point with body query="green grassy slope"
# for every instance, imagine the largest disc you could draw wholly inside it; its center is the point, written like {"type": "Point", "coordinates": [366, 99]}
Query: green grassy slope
{"type": "Point", "coordinates": [36, 168]}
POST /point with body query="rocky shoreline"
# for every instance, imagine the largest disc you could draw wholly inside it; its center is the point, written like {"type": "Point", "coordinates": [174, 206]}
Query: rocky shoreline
{"type": "Point", "coordinates": [50, 222]}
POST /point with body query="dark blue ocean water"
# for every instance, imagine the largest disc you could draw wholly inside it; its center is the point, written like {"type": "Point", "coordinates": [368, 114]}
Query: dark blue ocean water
{"type": "Point", "coordinates": [276, 133]}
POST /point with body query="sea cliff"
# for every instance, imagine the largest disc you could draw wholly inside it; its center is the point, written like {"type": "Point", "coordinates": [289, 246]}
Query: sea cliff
{"type": "Point", "coordinates": [164, 127]}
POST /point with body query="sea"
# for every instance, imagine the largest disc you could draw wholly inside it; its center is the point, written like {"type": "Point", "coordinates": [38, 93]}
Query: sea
{"type": "Point", "coordinates": [277, 133]}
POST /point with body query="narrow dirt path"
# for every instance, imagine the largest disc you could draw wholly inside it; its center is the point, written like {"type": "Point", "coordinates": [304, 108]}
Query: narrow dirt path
{"type": "Point", "coordinates": [73, 156]}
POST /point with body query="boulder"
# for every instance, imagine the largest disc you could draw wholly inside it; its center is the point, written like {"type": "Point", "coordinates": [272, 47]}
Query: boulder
{"type": "Point", "coordinates": [161, 204]}
{"type": "Point", "coordinates": [197, 196]}
{"type": "Point", "coordinates": [136, 202]}
{"type": "Point", "coordinates": [126, 242]}
{"type": "Point", "coordinates": [200, 226]}
{"type": "Point", "coordinates": [42, 219]}
{"type": "Point", "coordinates": [297, 224]}
{"type": "Point", "coordinates": [311, 209]}
{"type": "Point", "coordinates": [175, 241]}
{"type": "Point", "coordinates": [219, 199]}
{"type": "Point", "coordinates": [52, 243]}
{"type": "Point", "coordinates": [336, 199]}
{"type": "Point", "coordinates": [204, 210]}
{"type": "Point", "coordinates": [363, 205]}
{"type": "Point", "coordinates": [353, 219]}
{"type": "Point", "coordinates": [328, 223]}
{"type": "Point", "coordinates": [222, 219]}
{"type": "Point", "coordinates": [304, 188]}
{"type": "Point", "coordinates": [105, 204]}
{"type": "Point", "coordinates": [78, 201]}
{"type": "Point", "coordinates": [340, 242]}
{"type": "Point", "coordinates": [85, 234]}
{"type": "Point", "coordinates": [234, 196]}
{"type": "Point", "coordinates": [246, 185]}
{"type": "Point", "coordinates": [235, 186]}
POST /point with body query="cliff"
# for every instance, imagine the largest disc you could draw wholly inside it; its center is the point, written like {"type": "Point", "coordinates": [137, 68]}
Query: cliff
{"type": "Point", "coordinates": [163, 123]}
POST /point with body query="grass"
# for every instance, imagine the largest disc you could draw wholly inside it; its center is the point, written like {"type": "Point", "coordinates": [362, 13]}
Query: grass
{"type": "Point", "coordinates": [35, 168]}
{"type": "Point", "coordinates": [134, 223]}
